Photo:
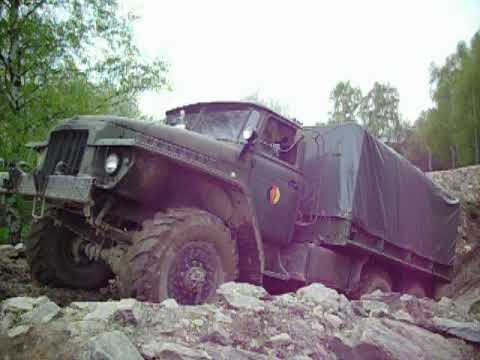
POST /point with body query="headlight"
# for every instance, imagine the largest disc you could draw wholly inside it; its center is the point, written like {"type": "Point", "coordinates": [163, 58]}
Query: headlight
{"type": "Point", "coordinates": [112, 163]}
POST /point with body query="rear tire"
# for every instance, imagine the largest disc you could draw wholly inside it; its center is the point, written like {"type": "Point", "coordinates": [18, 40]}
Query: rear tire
{"type": "Point", "coordinates": [373, 278]}
{"type": "Point", "coordinates": [184, 254]}
{"type": "Point", "coordinates": [49, 254]}
{"type": "Point", "coordinates": [414, 287]}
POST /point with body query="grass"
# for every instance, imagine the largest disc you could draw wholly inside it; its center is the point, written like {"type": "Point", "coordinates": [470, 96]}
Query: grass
{"type": "Point", "coordinates": [3, 235]}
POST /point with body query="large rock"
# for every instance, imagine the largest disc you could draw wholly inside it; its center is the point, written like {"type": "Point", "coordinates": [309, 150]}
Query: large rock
{"type": "Point", "coordinates": [112, 345]}
{"type": "Point", "coordinates": [18, 304]}
{"type": "Point", "coordinates": [18, 330]}
{"type": "Point", "coordinates": [320, 295]}
{"type": "Point", "coordinates": [130, 311]}
{"type": "Point", "coordinates": [20, 249]}
{"type": "Point", "coordinates": [404, 341]}
{"type": "Point", "coordinates": [465, 330]}
{"type": "Point", "coordinates": [102, 311]}
{"type": "Point", "coordinates": [243, 296]}
{"type": "Point", "coordinates": [8, 251]}
{"type": "Point", "coordinates": [172, 351]}
{"type": "Point", "coordinates": [86, 328]}
{"type": "Point", "coordinates": [233, 353]}
{"type": "Point", "coordinates": [42, 313]}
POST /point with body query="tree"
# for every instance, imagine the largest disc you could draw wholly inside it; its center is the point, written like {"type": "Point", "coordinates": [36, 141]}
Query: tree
{"type": "Point", "coordinates": [59, 58]}
{"type": "Point", "coordinates": [379, 111]}
{"type": "Point", "coordinates": [64, 57]}
{"type": "Point", "coordinates": [346, 101]}
{"type": "Point", "coordinates": [452, 127]}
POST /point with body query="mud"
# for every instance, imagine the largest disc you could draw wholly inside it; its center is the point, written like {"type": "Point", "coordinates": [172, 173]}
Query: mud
{"type": "Point", "coordinates": [15, 280]}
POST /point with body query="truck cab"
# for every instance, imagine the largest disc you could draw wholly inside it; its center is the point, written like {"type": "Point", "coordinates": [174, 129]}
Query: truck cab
{"type": "Point", "coordinates": [274, 158]}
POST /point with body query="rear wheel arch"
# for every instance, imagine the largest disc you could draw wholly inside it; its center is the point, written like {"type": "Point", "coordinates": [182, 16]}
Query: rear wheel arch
{"type": "Point", "coordinates": [373, 275]}
{"type": "Point", "coordinates": [416, 284]}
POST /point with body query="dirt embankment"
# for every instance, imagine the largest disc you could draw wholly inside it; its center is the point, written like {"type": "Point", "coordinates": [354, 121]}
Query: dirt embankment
{"type": "Point", "coordinates": [464, 184]}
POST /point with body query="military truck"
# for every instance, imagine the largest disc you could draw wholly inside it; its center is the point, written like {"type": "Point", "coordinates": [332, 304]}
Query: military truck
{"type": "Point", "coordinates": [230, 191]}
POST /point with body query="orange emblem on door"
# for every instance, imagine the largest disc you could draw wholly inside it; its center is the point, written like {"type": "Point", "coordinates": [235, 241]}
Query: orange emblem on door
{"type": "Point", "coordinates": [274, 195]}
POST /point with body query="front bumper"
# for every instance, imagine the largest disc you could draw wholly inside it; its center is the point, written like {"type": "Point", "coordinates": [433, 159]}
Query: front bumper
{"type": "Point", "coordinates": [59, 187]}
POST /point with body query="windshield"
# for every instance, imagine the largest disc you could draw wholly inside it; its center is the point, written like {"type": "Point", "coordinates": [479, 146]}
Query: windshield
{"type": "Point", "coordinates": [218, 123]}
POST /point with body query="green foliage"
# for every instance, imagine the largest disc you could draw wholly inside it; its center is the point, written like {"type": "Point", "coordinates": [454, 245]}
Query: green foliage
{"type": "Point", "coordinates": [346, 101]}
{"type": "Point", "coordinates": [377, 110]}
{"type": "Point", "coordinates": [59, 58]}
{"type": "Point", "coordinates": [454, 121]}
{"type": "Point", "coordinates": [3, 235]}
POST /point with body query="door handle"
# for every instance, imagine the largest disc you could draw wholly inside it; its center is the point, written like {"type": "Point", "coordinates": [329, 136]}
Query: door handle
{"type": "Point", "coordinates": [292, 184]}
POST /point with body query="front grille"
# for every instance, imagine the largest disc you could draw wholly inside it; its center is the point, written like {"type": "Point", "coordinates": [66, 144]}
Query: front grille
{"type": "Point", "coordinates": [68, 147]}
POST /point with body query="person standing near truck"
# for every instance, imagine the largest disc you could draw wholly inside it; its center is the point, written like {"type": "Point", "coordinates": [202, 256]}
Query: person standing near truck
{"type": "Point", "coordinates": [12, 219]}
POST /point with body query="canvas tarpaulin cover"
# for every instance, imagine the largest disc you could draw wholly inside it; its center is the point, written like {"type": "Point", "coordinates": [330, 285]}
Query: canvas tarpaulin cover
{"type": "Point", "coordinates": [351, 175]}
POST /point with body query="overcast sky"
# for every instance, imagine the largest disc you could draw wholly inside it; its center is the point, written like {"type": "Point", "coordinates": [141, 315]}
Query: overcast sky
{"type": "Point", "coordinates": [296, 51]}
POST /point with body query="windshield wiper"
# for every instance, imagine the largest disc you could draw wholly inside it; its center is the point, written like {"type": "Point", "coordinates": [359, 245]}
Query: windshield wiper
{"type": "Point", "coordinates": [226, 140]}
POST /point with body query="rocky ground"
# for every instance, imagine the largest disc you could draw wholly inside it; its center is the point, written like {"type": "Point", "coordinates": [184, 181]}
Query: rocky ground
{"type": "Point", "coordinates": [245, 322]}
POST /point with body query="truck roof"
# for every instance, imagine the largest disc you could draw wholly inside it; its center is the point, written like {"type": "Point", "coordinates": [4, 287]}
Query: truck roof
{"type": "Point", "coordinates": [260, 107]}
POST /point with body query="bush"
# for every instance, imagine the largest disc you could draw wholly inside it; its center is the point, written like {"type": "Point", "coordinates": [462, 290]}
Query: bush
{"type": "Point", "coordinates": [3, 235]}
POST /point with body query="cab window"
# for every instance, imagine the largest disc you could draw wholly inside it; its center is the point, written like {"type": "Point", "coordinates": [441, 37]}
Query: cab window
{"type": "Point", "coordinates": [278, 139]}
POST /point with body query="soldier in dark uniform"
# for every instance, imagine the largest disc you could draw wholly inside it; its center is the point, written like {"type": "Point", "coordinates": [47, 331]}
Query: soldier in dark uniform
{"type": "Point", "coordinates": [12, 219]}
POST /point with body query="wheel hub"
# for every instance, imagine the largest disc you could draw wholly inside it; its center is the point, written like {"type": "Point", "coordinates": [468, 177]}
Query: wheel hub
{"type": "Point", "coordinates": [192, 275]}
{"type": "Point", "coordinates": [195, 278]}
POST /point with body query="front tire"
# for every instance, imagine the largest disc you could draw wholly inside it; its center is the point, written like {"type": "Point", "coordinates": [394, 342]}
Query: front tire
{"type": "Point", "coordinates": [415, 287]}
{"type": "Point", "coordinates": [373, 278]}
{"type": "Point", "coordinates": [49, 251]}
{"type": "Point", "coordinates": [184, 254]}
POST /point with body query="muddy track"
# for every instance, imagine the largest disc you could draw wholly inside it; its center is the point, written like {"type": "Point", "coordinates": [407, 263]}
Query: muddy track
{"type": "Point", "coordinates": [15, 280]}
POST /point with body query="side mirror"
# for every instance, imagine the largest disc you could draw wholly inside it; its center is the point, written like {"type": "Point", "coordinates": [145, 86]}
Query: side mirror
{"type": "Point", "coordinates": [250, 135]}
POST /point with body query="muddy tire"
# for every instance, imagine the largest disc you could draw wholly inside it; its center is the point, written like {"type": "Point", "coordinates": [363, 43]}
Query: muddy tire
{"type": "Point", "coordinates": [372, 279]}
{"type": "Point", "coordinates": [49, 254]}
{"type": "Point", "coordinates": [184, 254]}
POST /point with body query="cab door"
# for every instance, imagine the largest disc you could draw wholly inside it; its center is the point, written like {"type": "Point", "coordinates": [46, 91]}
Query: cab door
{"type": "Point", "coordinates": [276, 185]}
